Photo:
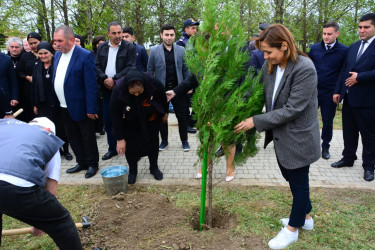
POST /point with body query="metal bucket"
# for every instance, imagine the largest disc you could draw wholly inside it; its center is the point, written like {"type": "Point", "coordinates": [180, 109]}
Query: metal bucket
{"type": "Point", "coordinates": [115, 179]}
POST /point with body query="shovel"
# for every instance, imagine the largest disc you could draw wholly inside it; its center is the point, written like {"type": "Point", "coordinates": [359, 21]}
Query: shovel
{"type": "Point", "coordinates": [84, 224]}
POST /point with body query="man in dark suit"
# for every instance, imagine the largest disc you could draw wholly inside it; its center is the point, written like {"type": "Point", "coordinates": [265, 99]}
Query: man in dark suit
{"type": "Point", "coordinates": [257, 56]}
{"type": "Point", "coordinates": [76, 90]}
{"type": "Point", "coordinates": [8, 85]}
{"type": "Point", "coordinates": [328, 57]}
{"type": "Point", "coordinates": [356, 86]}
{"type": "Point", "coordinates": [113, 61]}
{"type": "Point", "coordinates": [142, 57]}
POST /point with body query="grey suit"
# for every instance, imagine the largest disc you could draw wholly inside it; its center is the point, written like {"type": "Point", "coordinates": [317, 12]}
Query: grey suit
{"type": "Point", "coordinates": [156, 63]}
{"type": "Point", "coordinates": [293, 122]}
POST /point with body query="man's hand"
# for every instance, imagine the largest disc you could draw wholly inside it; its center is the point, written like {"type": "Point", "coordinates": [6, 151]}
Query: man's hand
{"type": "Point", "coordinates": [336, 98]}
{"type": "Point", "coordinates": [244, 125]}
{"type": "Point", "coordinates": [170, 95]}
{"type": "Point", "coordinates": [351, 80]}
{"type": "Point", "coordinates": [92, 116]}
{"type": "Point", "coordinates": [9, 117]}
{"type": "Point", "coordinates": [36, 232]}
{"type": "Point", "coordinates": [121, 147]}
{"type": "Point", "coordinates": [164, 119]}
{"type": "Point", "coordinates": [13, 103]}
{"type": "Point", "coordinates": [109, 83]}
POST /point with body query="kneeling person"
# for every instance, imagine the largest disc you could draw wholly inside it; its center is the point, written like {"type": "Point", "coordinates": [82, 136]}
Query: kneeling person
{"type": "Point", "coordinates": [29, 174]}
{"type": "Point", "coordinates": [138, 107]}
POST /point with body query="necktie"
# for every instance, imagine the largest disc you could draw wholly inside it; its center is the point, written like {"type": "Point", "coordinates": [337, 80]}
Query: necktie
{"type": "Point", "coordinates": [328, 47]}
{"type": "Point", "coordinates": [361, 50]}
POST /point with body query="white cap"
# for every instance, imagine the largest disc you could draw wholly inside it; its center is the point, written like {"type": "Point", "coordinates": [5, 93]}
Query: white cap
{"type": "Point", "coordinates": [44, 122]}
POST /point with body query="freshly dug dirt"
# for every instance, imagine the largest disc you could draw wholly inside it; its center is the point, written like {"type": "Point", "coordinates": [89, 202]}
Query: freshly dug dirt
{"type": "Point", "coordinates": [151, 221]}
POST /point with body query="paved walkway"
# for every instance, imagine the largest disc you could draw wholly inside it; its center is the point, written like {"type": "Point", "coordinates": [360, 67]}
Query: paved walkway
{"type": "Point", "coordinates": [179, 167]}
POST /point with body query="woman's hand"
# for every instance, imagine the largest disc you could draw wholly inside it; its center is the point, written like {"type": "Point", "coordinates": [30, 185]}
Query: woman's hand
{"type": "Point", "coordinates": [164, 119]}
{"type": "Point", "coordinates": [244, 125]}
{"type": "Point", "coordinates": [36, 232]}
{"type": "Point", "coordinates": [121, 146]}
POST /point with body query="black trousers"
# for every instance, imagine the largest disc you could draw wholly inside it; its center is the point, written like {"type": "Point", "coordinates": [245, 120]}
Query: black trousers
{"type": "Point", "coordinates": [179, 110]}
{"type": "Point", "coordinates": [299, 186]}
{"type": "Point", "coordinates": [357, 120]}
{"type": "Point", "coordinates": [36, 206]}
{"type": "Point", "coordinates": [82, 138]}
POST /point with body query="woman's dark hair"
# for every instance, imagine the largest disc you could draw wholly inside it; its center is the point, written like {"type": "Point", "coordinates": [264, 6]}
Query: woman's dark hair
{"type": "Point", "coordinates": [274, 36]}
{"type": "Point", "coordinates": [136, 83]}
{"type": "Point", "coordinates": [95, 42]}
{"type": "Point", "coordinates": [81, 40]}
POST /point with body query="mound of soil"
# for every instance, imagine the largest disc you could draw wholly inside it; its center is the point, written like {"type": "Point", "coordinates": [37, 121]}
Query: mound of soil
{"type": "Point", "coordinates": [152, 221]}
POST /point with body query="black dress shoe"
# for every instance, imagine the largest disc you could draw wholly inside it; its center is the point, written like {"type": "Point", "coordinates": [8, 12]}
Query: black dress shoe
{"type": "Point", "coordinates": [68, 156]}
{"type": "Point", "coordinates": [76, 169]}
{"type": "Point", "coordinates": [325, 154]}
{"type": "Point", "coordinates": [132, 178]}
{"type": "Point", "coordinates": [158, 175]}
{"type": "Point", "coordinates": [369, 175]}
{"type": "Point", "coordinates": [191, 130]}
{"type": "Point", "coordinates": [91, 172]}
{"type": "Point", "coordinates": [340, 164]}
{"type": "Point", "coordinates": [219, 152]}
{"type": "Point", "coordinates": [108, 155]}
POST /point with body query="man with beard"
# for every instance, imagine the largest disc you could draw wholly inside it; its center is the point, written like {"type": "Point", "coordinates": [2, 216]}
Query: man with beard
{"type": "Point", "coordinates": [167, 64]}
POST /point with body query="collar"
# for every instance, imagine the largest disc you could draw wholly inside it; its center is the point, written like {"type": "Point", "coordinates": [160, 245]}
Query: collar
{"type": "Point", "coordinates": [70, 52]}
{"type": "Point", "coordinates": [110, 44]}
{"type": "Point", "coordinates": [185, 35]}
{"type": "Point", "coordinates": [166, 48]}
{"type": "Point", "coordinates": [332, 44]}
{"type": "Point", "coordinates": [370, 40]}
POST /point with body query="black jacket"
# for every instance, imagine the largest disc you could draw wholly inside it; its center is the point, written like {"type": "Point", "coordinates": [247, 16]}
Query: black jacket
{"type": "Point", "coordinates": [125, 59]}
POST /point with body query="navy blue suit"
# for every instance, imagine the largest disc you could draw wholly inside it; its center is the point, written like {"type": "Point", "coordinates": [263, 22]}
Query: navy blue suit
{"type": "Point", "coordinates": [8, 84]}
{"type": "Point", "coordinates": [142, 57]}
{"type": "Point", "coordinates": [80, 90]}
{"type": "Point", "coordinates": [257, 59]}
{"type": "Point", "coordinates": [359, 105]}
{"type": "Point", "coordinates": [328, 64]}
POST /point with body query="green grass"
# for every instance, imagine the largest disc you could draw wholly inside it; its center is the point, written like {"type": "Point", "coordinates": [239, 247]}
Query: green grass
{"type": "Point", "coordinates": [337, 121]}
{"type": "Point", "coordinates": [344, 218]}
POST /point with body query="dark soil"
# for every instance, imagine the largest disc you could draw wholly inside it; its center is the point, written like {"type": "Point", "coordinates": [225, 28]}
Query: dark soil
{"type": "Point", "coordinates": [144, 220]}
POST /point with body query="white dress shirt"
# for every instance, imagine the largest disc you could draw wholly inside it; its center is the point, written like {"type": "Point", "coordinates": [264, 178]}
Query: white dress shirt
{"type": "Point", "coordinates": [279, 75]}
{"type": "Point", "coordinates": [110, 70]}
{"type": "Point", "coordinates": [61, 69]}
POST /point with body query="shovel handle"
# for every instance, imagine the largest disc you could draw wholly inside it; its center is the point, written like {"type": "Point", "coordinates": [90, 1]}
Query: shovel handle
{"type": "Point", "coordinates": [27, 230]}
{"type": "Point", "coordinates": [16, 231]}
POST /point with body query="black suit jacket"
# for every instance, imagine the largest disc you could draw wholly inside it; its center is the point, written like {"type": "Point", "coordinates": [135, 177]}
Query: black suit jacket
{"type": "Point", "coordinates": [361, 94]}
{"type": "Point", "coordinates": [8, 84]}
{"type": "Point", "coordinates": [125, 59]}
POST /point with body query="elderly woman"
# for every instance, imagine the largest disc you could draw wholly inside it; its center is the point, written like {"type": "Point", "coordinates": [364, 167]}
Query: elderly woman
{"type": "Point", "coordinates": [291, 121]}
{"type": "Point", "coordinates": [138, 106]}
{"type": "Point", "coordinates": [42, 91]}
{"type": "Point", "coordinates": [24, 69]}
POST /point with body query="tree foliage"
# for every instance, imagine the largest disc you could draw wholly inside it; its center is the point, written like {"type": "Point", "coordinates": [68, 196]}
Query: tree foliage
{"type": "Point", "coordinates": [218, 60]}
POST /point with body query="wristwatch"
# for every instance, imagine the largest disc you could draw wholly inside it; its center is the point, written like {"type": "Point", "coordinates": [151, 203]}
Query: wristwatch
{"type": "Point", "coordinates": [9, 112]}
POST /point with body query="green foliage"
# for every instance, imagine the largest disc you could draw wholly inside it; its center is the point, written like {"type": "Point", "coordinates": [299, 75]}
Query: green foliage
{"type": "Point", "coordinates": [218, 60]}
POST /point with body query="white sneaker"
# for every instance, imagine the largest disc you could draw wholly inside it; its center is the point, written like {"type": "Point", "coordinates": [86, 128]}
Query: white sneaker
{"type": "Point", "coordinates": [309, 224]}
{"type": "Point", "coordinates": [283, 239]}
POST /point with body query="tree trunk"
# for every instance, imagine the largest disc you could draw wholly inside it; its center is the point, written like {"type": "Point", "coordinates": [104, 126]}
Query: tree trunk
{"type": "Point", "coordinates": [65, 11]}
{"type": "Point", "coordinates": [53, 17]}
{"type": "Point", "coordinates": [45, 20]}
{"type": "Point", "coordinates": [210, 187]}
{"type": "Point", "coordinates": [279, 11]}
{"type": "Point", "coordinates": [138, 22]}
{"type": "Point", "coordinates": [304, 26]}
